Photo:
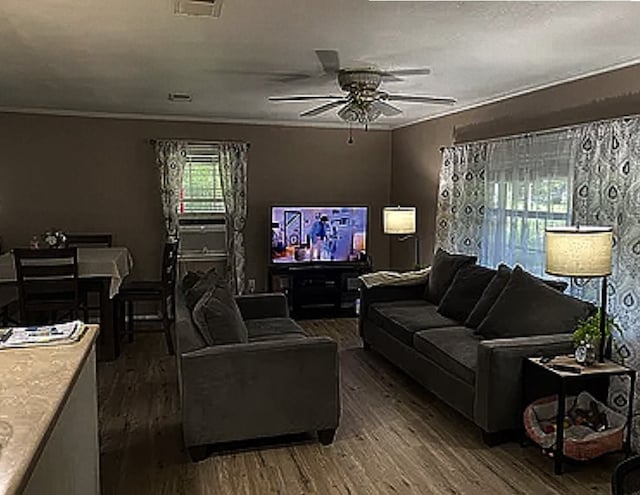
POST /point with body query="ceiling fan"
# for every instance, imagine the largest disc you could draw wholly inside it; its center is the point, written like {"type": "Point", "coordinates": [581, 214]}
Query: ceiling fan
{"type": "Point", "coordinates": [363, 101]}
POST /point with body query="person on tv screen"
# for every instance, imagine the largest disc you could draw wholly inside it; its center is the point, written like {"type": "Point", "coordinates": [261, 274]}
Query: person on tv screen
{"type": "Point", "coordinates": [318, 235]}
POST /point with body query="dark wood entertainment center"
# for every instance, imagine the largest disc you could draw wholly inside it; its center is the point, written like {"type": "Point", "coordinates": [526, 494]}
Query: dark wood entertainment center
{"type": "Point", "coordinates": [322, 286]}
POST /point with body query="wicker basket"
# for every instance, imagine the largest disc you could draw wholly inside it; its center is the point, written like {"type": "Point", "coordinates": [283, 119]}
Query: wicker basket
{"type": "Point", "coordinates": [581, 443]}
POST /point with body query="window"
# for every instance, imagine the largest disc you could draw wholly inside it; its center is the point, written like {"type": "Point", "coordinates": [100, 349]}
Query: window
{"type": "Point", "coordinates": [528, 188]}
{"type": "Point", "coordinates": [201, 189]}
{"type": "Point", "coordinates": [201, 208]}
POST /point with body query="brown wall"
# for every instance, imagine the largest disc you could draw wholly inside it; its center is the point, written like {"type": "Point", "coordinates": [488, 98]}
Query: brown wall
{"type": "Point", "coordinates": [94, 174]}
{"type": "Point", "coordinates": [416, 148]}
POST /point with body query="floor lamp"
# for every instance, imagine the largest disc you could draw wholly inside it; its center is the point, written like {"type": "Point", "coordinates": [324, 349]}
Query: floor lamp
{"type": "Point", "coordinates": [401, 220]}
{"type": "Point", "coordinates": [582, 252]}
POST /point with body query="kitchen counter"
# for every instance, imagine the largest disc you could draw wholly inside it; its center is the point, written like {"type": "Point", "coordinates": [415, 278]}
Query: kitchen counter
{"type": "Point", "coordinates": [48, 419]}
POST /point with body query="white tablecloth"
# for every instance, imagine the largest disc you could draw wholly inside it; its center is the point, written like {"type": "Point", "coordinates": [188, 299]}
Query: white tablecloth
{"type": "Point", "coordinates": [115, 263]}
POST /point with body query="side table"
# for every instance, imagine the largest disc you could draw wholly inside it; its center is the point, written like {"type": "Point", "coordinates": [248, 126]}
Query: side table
{"type": "Point", "coordinates": [562, 380]}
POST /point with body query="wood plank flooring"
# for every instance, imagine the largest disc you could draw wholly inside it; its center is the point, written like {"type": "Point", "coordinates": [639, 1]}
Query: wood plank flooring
{"type": "Point", "coordinates": [394, 438]}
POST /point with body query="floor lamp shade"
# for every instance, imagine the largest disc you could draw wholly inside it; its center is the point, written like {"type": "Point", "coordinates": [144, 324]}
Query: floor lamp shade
{"type": "Point", "coordinates": [581, 252]}
{"type": "Point", "coordinates": [399, 220]}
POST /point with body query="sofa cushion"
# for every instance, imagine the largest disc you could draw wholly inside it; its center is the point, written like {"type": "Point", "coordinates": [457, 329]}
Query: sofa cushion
{"type": "Point", "coordinates": [455, 349]}
{"type": "Point", "coordinates": [493, 291]}
{"type": "Point", "coordinates": [402, 319]}
{"type": "Point", "coordinates": [262, 329]}
{"type": "Point", "coordinates": [465, 291]}
{"type": "Point", "coordinates": [196, 284]}
{"type": "Point", "coordinates": [528, 306]}
{"type": "Point", "coordinates": [443, 268]}
{"type": "Point", "coordinates": [218, 318]}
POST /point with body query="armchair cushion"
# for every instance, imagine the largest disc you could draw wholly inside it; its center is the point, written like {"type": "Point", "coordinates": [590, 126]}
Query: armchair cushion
{"type": "Point", "coordinates": [263, 329]}
{"type": "Point", "coordinates": [443, 269]}
{"type": "Point", "coordinates": [218, 318]}
{"type": "Point", "coordinates": [196, 284]}
{"type": "Point", "coordinates": [527, 306]}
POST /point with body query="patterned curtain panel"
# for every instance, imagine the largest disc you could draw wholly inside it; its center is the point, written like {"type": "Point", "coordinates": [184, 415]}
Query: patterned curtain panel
{"type": "Point", "coordinates": [461, 198]}
{"type": "Point", "coordinates": [233, 173]}
{"type": "Point", "coordinates": [528, 188]}
{"type": "Point", "coordinates": [607, 192]}
{"type": "Point", "coordinates": [171, 157]}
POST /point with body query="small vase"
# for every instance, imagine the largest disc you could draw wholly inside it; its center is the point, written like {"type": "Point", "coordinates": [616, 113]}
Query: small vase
{"type": "Point", "coordinates": [590, 354]}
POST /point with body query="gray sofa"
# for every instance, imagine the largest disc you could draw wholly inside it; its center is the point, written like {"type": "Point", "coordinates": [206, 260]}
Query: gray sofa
{"type": "Point", "coordinates": [277, 381]}
{"type": "Point", "coordinates": [479, 377]}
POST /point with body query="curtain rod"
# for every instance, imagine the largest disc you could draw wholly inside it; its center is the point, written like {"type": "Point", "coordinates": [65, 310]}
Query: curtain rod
{"type": "Point", "coordinates": [154, 141]}
{"type": "Point", "coordinates": [542, 132]}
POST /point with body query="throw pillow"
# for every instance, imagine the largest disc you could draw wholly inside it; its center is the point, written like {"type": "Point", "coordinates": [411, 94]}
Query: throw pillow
{"type": "Point", "coordinates": [191, 279]}
{"type": "Point", "coordinates": [494, 289]}
{"type": "Point", "coordinates": [200, 287]}
{"type": "Point", "coordinates": [528, 306]}
{"type": "Point", "coordinates": [488, 297]}
{"type": "Point", "coordinates": [465, 290]}
{"type": "Point", "coordinates": [443, 269]}
{"type": "Point", "coordinates": [218, 318]}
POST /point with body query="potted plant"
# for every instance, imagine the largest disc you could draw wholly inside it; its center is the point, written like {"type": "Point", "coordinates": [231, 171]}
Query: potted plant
{"type": "Point", "coordinates": [586, 336]}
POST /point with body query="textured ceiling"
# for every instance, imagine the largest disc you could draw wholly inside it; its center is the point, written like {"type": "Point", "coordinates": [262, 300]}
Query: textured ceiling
{"type": "Point", "coordinates": [125, 56]}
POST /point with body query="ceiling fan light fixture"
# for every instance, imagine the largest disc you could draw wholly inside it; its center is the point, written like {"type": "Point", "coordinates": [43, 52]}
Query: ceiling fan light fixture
{"type": "Point", "coordinates": [349, 113]}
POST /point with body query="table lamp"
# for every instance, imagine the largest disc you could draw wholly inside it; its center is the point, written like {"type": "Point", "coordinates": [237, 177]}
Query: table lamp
{"type": "Point", "coordinates": [582, 252]}
{"type": "Point", "coordinates": [401, 220]}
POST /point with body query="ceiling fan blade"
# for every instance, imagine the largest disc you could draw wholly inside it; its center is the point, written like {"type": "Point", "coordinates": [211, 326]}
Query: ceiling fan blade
{"type": "Point", "coordinates": [386, 109]}
{"type": "Point", "coordinates": [423, 71]}
{"type": "Point", "coordinates": [323, 108]}
{"type": "Point", "coordinates": [330, 60]}
{"type": "Point", "coordinates": [436, 100]}
{"type": "Point", "coordinates": [305, 97]}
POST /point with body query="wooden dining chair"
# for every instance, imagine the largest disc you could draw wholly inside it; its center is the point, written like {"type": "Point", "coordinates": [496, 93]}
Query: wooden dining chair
{"type": "Point", "coordinates": [47, 284]}
{"type": "Point", "coordinates": [89, 240]}
{"type": "Point", "coordinates": [160, 291]}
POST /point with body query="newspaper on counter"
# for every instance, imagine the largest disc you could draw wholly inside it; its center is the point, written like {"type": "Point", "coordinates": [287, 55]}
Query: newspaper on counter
{"type": "Point", "coordinates": [62, 333]}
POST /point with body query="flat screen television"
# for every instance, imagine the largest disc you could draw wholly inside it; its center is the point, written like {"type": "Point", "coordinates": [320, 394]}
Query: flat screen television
{"type": "Point", "coordinates": [307, 234]}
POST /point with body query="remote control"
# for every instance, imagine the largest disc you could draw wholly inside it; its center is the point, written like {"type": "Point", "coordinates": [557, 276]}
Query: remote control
{"type": "Point", "coordinates": [566, 367]}
{"type": "Point", "coordinates": [546, 359]}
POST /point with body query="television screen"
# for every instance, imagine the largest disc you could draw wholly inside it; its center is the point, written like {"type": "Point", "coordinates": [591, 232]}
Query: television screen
{"type": "Point", "coordinates": [308, 233]}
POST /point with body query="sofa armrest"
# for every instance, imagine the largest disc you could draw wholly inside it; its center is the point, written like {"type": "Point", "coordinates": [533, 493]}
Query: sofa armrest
{"type": "Point", "coordinates": [272, 305]}
{"type": "Point", "coordinates": [498, 392]}
{"type": "Point", "coordinates": [242, 391]}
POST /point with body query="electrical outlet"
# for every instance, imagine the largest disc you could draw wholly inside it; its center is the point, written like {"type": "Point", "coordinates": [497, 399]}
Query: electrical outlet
{"type": "Point", "coordinates": [252, 285]}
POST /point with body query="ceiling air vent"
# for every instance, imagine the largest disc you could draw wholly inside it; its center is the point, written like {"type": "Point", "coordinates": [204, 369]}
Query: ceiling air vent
{"type": "Point", "coordinates": [199, 8]}
{"type": "Point", "coordinates": [180, 97]}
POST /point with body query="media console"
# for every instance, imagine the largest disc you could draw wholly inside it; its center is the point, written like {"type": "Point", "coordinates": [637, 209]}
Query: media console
{"type": "Point", "coordinates": [318, 286]}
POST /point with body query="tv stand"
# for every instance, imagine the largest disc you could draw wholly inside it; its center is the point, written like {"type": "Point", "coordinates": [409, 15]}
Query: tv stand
{"type": "Point", "coordinates": [327, 288]}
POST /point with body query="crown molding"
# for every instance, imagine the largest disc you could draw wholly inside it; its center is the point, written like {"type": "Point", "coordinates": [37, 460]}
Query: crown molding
{"type": "Point", "coordinates": [184, 118]}
{"type": "Point", "coordinates": [520, 92]}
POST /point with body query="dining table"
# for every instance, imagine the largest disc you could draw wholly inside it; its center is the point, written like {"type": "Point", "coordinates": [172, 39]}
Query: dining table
{"type": "Point", "coordinates": [101, 270]}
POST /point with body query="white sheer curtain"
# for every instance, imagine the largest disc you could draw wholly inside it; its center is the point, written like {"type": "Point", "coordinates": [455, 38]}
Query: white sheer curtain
{"type": "Point", "coordinates": [528, 187]}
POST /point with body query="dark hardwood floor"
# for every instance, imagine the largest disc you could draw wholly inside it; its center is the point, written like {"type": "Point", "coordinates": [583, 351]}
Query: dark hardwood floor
{"type": "Point", "coordinates": [394, 438]}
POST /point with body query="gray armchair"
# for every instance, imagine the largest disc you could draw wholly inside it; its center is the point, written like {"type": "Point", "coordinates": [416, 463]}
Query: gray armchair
{"type": "Point", "coordinates": [278, 382]}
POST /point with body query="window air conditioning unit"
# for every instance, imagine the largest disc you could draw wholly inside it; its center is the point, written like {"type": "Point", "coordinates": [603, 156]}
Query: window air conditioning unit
{"type": "Point", "coordinates": [199, 8]}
